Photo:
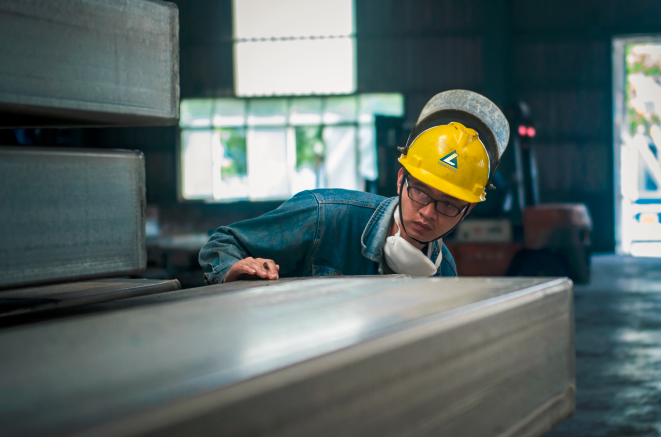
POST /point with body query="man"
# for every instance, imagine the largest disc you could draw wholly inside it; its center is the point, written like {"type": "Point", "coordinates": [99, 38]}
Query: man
{"type": "Point", "coordinates": [449, 160]}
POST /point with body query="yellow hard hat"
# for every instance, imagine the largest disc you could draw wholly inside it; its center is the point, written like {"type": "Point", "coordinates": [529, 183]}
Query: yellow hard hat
{"type": "Point", "coordinates": [450, 158]}
{"type": "Point", "coordinates": [458, 156]}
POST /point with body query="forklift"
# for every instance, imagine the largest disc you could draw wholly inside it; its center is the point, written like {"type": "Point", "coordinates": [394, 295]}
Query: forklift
{"type": "Point", "coordinates": [512, 233]}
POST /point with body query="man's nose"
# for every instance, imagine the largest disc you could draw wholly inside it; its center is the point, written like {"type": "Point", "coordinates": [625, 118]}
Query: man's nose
{"type": "Point", "coordinates": [428, 211]}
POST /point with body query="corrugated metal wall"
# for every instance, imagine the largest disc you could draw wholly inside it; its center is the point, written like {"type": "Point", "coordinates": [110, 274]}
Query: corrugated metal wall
{"type": "Point", "coordinates": [419, 47]}
{"type": "Point", "coordinates": [206, 48]}
{"type": "Point", "coordinates": [419, 64]}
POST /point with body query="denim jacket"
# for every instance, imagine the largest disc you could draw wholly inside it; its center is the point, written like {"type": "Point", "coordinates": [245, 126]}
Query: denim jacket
{"type": "Point", "coordinates": [315, 233]}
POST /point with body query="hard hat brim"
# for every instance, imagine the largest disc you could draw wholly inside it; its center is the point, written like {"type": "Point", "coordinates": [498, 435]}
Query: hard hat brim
{"type": "Point", "coordinates": [442, 185]}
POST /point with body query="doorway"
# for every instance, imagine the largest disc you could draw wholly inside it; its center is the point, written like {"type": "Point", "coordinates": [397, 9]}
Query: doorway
{"type": "Point", "coordinates": [637, 138]}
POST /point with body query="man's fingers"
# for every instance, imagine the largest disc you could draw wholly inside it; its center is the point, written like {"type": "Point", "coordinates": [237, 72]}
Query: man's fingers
{"type": "Point", "coordinates": [247, 266]}
{"type": "Point", "coordinates": [265, 268]}
{"type": "Point", "coordinates": [258, 266]}
{"type": "Point", "coordinates": [272, 268]}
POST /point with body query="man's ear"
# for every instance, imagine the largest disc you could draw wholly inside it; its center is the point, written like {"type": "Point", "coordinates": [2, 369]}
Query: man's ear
{"type": "Point", "coordinates": [400, 178]}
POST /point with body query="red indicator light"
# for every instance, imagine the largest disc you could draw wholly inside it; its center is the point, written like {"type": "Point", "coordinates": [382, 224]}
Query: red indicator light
{"type": "Point", "coordinates": [531, 132]}
{"type": "Point", "coordinates": [522, 131]}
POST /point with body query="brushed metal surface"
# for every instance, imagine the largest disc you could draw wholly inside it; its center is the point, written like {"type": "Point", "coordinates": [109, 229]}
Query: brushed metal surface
{"type": "Point", "coordinates": [49, 297]}
{"type": "Point", "coordinates": [70, 214]}
{"type": "Point", "coordinates": [439, 356]}
{"type": "Point", "coordinates": [88, 63]}
{"type": "Point", "coordinates": [136, 301]}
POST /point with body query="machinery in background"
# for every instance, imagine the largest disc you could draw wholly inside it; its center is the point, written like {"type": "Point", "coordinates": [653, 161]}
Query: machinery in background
{"type": "Point", "coordinates": [511, 233]}
{"type": "Point", "coordinates": [555, 242]}
{"type": "Point", "coordinates": [390, 134]}
{"type": "Point", "coordinates": [526, 238]}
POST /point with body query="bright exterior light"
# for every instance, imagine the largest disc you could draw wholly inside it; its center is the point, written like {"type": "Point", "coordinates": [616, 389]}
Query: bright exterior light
{"type": "Point", "coordinates": [196, 179]}
{"type": "Point", "coordinates": [522, 131]}
{"type": "Point", "coordinates": [266, 19]}
{"type": "Point", "coordinates": [637, 99]}
{"type": "Point", "coordinates": [294, 47]}
{"type": "Point", "coordinates": [531, 132]}
{"type": "Point", "coordinates": [650, 249]}
{"type": "Point", "coordinates": [298, 67]}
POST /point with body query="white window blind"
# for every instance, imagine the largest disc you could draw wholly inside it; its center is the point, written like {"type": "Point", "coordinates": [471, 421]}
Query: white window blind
{"type": "Point", "coordinates": [294, 47]}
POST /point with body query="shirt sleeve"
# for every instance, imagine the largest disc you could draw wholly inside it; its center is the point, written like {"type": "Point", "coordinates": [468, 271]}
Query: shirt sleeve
{"type": "Point", "coordinates": [284, 235]}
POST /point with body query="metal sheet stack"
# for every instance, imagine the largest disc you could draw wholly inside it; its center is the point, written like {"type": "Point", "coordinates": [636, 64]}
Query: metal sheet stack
{"type": "Point", "coordinates": [77, 214]}
{"type": "Point", "coordinates": [54, 297]}
{"type": "Point", "coordinates": [372, 356]}
{"type": "Point", "coordinates": [88, 63]}
{"type": "Point", "coordinates": [70, 214]}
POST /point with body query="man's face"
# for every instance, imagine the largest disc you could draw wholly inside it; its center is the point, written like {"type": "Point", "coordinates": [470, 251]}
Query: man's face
{"type": "Point", "coordinates": [425, 223]}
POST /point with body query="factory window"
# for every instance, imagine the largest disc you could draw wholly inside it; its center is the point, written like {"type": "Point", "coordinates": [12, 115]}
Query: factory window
{"type": "Point", "coordinates": [294, 47]}
{"type": "Point", "coordinates": [637, 94]}
{"type": "Point", "coordinates": [272, 148]}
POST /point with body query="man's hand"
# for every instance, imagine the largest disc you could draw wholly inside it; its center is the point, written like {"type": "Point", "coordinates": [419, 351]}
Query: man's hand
{"type": "Point", "coordinates": [253, 268]}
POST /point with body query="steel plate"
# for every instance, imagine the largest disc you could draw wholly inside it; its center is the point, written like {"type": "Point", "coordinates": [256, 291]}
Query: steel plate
{"type": "Point", "coordinates": [50, 297]}
{"type": "Point", "coordinates": [323, 357]}
{"type": "Point", "coordinates": [70, 214]}
{"type": "Point", "coordinates": [88, 63]}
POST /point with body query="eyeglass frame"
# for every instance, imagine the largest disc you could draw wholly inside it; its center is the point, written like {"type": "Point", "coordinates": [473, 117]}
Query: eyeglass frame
{"type": "Point", "coordinates": [431, 199]}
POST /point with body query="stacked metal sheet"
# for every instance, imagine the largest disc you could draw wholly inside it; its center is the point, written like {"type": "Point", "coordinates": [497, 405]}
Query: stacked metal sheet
{"type": "Point", "coordinates": [52, 297]}
{"type": "Point", "coordinates": [70, 214]}
{"type": "Point", "coordinates": [73, 214]}
{"type": "Point", "coordinates": [88, 63]}
{"type": "Point", "coordinates": [377, 356]}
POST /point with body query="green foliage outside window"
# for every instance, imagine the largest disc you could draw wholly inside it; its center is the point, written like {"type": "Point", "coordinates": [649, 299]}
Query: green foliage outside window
{"type": "Point", "coordinates": [309, 147]}
{"type": "Point", "coordinates": [644, 65]}
{"type": "Point", "coordinates": [235, 162]}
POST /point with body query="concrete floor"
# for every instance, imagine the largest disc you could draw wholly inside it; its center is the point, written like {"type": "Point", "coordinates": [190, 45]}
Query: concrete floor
{"type": "Point", "coordinates": [618, 350]}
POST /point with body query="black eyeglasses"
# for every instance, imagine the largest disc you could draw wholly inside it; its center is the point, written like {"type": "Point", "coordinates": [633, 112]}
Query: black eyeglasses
{"type": "Point", "coordinates": [422, 198]}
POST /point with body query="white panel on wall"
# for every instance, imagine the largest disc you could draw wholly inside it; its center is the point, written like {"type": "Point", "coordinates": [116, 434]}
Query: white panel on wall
{"type": "Point", "coordinates": [367, 153]}
{"type": "Point", "coordinates": [196, 177]}
{"type": "Point", "coordinates": [340, 159]}
{"type": "Point", "coordinates": [292, 18]}
{"type": "Point", "coordinates": [268, 175]}
{"type": "Point", "coordinates": [294, 67]}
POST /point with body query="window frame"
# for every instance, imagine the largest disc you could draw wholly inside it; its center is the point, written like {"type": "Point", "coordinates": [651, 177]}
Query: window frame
{"type": "Point", "coordinates": [357, 124]}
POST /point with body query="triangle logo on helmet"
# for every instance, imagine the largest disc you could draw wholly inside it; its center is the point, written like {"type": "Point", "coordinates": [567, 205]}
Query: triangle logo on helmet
{"type": "Point", "coordinates": [450, 159]}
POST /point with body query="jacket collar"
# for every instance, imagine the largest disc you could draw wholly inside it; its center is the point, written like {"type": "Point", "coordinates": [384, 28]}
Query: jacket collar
{"type": "Point", "coordinates": [375, 233]}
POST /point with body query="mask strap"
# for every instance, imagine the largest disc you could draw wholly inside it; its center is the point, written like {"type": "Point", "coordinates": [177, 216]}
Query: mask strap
{"type": "Point", "coordinates": [397, 220]}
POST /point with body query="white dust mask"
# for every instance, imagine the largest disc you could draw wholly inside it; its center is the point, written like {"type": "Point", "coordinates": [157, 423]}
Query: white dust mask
{"type": "Point", "coordinates": [405, 258]}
